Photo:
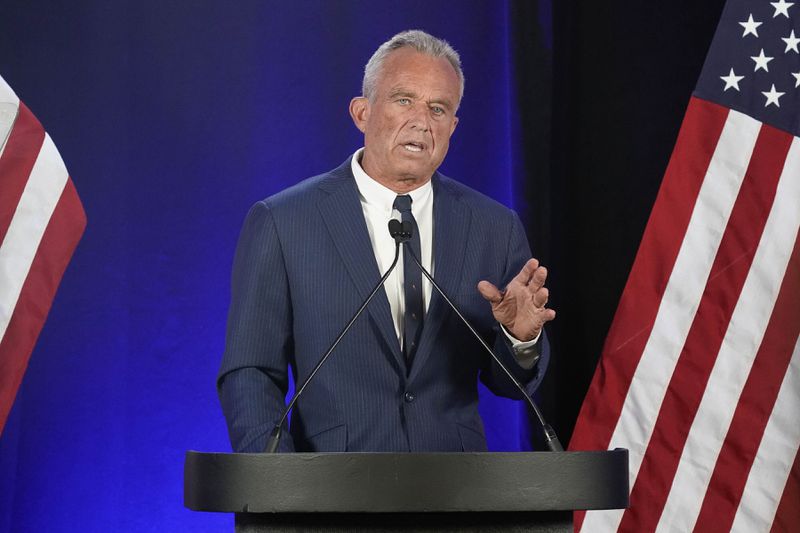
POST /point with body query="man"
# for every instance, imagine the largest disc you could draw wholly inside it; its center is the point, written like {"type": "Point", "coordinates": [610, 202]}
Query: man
{"type": "Point", "coordinates": [405, 376]}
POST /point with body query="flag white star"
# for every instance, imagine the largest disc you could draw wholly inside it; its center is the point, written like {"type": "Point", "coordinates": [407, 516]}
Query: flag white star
{"type": "Point", "coordinates": [782, 8]}
{"type": "Point", "coordinates": [761, 61]}
{"type": "Point", "coordinates": [731, 80]}
{"type": "Point", "coordinates": [796, 79]}
{"type": "Point", "coordinates": [772, 96]}
{"type": "Point", "coordinates": [791, 43]}
{"type": "Point", "coordinates": [750, 26]}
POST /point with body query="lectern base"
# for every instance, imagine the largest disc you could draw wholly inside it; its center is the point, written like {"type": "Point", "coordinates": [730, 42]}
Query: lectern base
{"type": "Point", "coordinates": [486, 522]}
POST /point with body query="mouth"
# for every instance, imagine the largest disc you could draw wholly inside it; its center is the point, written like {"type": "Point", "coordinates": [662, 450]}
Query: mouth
{"type": "Point", "coordinates": [413, 146]}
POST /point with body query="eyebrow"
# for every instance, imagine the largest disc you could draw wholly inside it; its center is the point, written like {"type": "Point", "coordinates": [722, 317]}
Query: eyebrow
{"type": "Point", "coordinates": [401, 92]}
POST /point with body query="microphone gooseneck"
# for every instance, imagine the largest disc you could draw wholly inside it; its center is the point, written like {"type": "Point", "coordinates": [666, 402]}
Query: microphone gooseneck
{"type": "Point", "coordinates": [275, 436]}
{"type": "Point", "coordinates": [549, 433]}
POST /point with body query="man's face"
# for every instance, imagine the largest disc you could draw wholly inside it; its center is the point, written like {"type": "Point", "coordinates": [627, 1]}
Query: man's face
{"type": "Point", "coordinates": [408, 124]}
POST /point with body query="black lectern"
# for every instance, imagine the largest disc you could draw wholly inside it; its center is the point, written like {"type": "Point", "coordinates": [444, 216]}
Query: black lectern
{"type": "Point", "coordinates": [388, 492]}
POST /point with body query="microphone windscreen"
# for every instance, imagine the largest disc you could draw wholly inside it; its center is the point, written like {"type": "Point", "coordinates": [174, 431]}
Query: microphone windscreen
{"type": "Point", "coordinates": [408, 229]}
{"type": "Point", "coordinates": [395, 228]}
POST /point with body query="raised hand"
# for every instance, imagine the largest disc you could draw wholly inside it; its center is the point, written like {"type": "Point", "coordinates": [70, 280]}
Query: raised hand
{"type": "Point", "coordinates": [521, 306]}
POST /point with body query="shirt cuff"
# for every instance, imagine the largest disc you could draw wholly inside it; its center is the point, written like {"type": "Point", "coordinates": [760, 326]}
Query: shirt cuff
{"type": "Point", "coordinates": [525, 352]}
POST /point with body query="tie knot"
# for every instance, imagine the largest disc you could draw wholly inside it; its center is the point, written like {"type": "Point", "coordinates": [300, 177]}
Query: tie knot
{"type": "Point", "coordinates": [403, 203]}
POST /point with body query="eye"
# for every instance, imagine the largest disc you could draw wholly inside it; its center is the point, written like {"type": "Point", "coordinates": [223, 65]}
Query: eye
{"type": "Point", "coordinates": [403, 101]}
{"type": "Point", "coordinates": [437, 110]}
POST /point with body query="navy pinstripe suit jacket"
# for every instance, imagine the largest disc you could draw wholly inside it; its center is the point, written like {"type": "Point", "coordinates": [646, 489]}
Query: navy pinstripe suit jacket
{"type": "Point", "coordinates": [303, 265]}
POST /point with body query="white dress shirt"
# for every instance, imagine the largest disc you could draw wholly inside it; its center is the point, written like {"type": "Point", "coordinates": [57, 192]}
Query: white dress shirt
{"type": "Point", "coordinates": [376, 202]}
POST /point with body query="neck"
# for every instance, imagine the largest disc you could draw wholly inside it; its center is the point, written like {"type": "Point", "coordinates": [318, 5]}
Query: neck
{"type": "Point", "coordinates": [402, 184]}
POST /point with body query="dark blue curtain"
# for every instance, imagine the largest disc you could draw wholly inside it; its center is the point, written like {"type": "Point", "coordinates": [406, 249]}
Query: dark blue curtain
{"type": "Point", "coordinates": [173, 118]}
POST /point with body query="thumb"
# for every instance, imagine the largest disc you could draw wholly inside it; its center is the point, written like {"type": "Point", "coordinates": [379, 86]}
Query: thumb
{"type": "Point", "coordinates": [490, 292]}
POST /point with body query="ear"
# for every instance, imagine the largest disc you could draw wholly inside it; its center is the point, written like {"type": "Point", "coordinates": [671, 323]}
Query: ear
{"type": "Point", "coordinates": [359, 112]}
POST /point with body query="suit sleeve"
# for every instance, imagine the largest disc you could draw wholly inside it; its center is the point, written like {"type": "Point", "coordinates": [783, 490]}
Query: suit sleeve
{"type": "Point", "coordinates": [518, 253]}
{"type": "Point", "coordinates": [253, 379]}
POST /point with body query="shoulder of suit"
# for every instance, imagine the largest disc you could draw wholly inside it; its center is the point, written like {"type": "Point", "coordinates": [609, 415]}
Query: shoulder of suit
{"type": "Point", "coordinates": [308, 191]}
{"type": "Point", "coordinates": [295, 199]}
{"type": "Point", "coordinates": [475, 199]}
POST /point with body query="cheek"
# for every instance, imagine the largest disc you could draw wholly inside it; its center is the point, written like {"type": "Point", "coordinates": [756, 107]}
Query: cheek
{"type": "Point", "coordinates": [381, 129]}
{"type": "Point", "coordinates": [378, 130]}
{"type": "Point", "coordinates": [442, 140]}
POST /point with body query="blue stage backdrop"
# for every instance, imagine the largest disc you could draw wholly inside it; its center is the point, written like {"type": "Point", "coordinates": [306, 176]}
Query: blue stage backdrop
{"type": "Point", "coordinates": [173, 118]}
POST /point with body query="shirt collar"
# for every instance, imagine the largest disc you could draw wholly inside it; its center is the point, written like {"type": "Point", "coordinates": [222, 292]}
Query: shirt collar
{"type": "Point", "coordinates": [373, 193]}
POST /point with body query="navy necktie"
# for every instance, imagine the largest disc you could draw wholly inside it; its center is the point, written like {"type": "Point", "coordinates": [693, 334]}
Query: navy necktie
{"type": "Point", "coordinates": [412, 283]}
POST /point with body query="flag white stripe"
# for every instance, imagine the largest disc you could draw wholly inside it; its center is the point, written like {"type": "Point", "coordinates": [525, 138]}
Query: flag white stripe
{"type": "Point", "coordinates": [9, 107]}
{"type": "Point", "coordinates": [773, 463]}
{"type": "Point", "coordinates": [42, 192]}
{"type": "Point", "coordinates": [7, 94]}
{"type": "Point", "coordinates": [737, 353]}
{"type": "Point", "coordinates": [681, 299]}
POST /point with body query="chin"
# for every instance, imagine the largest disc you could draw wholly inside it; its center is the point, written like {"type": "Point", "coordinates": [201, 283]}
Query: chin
{"type": "Point", "coordinates": [416, 173]}
{"type": "Point", "coordinates": [418, 165]}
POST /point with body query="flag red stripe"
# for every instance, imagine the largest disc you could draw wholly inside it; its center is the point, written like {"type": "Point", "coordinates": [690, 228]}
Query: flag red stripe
{"type": "Point", "coordinates": [63, 232]}
{"type": "Point", "coordinates": [663, 236]}
{"type": "Point", "coordinates": [641, 298]}
{"type": "Point", "coordinates": [755, 405]}
{"type": "Point", "coordinates": [688, 382]}
{"type": "Point", "coordinates": [16, 163]}
{"type": "Point", "coordinates": [787, 516]}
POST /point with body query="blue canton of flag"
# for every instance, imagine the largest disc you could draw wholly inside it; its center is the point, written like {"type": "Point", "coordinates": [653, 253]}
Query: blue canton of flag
{"type": "Point", "coordinates": [753, 65]}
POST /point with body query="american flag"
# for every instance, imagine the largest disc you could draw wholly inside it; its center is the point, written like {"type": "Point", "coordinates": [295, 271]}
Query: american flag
{"type": "Point", "coordinates": [41, 222]}
{"type": "Point", "coordinates": [700, 374]}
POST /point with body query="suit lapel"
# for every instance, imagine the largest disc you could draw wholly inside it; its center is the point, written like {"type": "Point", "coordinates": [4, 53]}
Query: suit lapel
{"type": "Point", "coordinates": [451, 221]}
{"type": "Point", "coordinates": [344, 218]}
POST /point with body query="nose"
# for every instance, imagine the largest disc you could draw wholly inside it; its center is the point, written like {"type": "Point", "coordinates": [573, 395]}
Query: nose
{"type": "Point", "coordinates": [419, 119]}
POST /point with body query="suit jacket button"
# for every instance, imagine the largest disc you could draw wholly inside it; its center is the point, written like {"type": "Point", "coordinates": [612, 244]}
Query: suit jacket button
{"type": "Point", "coordinates": [409, 397]}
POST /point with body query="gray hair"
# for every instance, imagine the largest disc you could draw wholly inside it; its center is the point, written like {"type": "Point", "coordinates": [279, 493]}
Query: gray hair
{"type": "Point", "coordinates": [421, 42]}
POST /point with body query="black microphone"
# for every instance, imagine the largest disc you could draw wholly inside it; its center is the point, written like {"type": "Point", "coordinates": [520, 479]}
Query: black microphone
{"type": "Point", "coordinates": [550, 436]}
{"type": "Point", "coordinates": [401, 233]}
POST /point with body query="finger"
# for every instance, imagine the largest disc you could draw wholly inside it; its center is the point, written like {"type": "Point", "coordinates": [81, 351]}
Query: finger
{"type": "Point", "coordinates": [538, 278]}
{"type": "Point", "coordinates": [546, 316]}
{"type": "Point", "coordinates": [527, 271]}
{"type": "Point", "coordinates": [490, 292]}
{"type": "Point", "coordinates": [540, 297]}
